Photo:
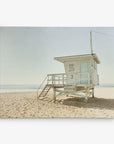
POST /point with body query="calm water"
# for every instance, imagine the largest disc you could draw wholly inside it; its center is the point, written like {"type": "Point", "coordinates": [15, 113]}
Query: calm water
{"type": "Point", "coordinates": [18, 88]}
{"type": "Point", "coordinates": [22, 88]}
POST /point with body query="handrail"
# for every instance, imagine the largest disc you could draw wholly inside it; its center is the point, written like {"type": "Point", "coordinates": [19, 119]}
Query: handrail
{"type": "Point", "coordinates": [68, 73]}
{"type": "Point", "coordinates": [61, 77]}
{"type": "Point", "coordinates": [41, 85]}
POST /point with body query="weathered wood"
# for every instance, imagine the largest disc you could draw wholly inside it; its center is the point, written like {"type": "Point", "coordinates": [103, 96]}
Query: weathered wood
{"type": "Point", "coordinates": [54, 94]}
{"type": "Point", "coordinates": [92, 92]}
{"type": "Point", "coordinates": [80, 75]}
{"type": "Point", "coordinates": [45, 91]}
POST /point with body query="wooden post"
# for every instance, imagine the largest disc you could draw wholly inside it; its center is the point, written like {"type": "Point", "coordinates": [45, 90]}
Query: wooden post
{"type": "Point", "coordinates": [86, 95]}
{"type": "Point", "coordinates": [88, 92]}
{"type": "Point", "coordinates": [88, 79]}
{"type": "Point", "coordinates": [92, 92]}
{"type": "Point", "coordinates": [63, 79]}
{"type": "Point", "coordinates": [80, 77]}
{"type": "Point", "coordinates": [91, 42]}
{"type": "Point", "coordinates": [52, 79]}
{"type": "Point", "coordinates": [54, 94]}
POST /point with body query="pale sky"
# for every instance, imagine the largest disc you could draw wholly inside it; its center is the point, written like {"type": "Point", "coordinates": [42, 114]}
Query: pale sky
{"type": "Point", "coordinates": [26, 54]}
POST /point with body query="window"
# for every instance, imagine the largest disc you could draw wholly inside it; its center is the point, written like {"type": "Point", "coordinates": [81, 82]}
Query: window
{"type": "Point", "coordinates": [71, 68]}
{"type": "Point", "coordinates": [71, 76]}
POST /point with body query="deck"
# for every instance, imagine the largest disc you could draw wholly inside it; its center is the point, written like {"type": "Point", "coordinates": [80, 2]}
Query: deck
{"type": "Point", "coordinates": [61, 80]}
{"type": "Point", "coordinates": [70, 84]}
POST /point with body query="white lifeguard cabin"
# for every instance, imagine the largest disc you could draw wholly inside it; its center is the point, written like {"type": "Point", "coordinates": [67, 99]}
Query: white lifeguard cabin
{"type": "Point", "coordinates": [79, 79]}
{"type": "Point", "coordinates": [80, 76]}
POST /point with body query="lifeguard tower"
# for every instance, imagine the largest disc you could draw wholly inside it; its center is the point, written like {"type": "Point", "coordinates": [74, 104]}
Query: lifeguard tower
{"type": "Point", "coordinates": [79, 79]}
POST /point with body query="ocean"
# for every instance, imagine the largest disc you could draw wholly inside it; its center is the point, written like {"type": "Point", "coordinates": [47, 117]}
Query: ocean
{"type": "Point", "coordinates": [27, 88]}
{"type": "Point", "coordinates": [18, 88]}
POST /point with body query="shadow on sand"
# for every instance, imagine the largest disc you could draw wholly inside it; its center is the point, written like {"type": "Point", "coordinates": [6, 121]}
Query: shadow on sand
{"type": "Point", "coordinates": [100, 103]}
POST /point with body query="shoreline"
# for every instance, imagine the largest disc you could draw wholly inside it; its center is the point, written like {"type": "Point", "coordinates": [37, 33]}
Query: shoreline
{"type": "Point", "coordinates": [29, 90]}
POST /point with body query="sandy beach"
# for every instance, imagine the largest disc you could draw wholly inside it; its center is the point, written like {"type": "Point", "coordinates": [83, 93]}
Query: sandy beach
{"type": "Point", "coordinates": [26, 105]}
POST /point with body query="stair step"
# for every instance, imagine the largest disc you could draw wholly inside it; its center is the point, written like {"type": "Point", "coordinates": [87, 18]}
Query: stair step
{"type": "Point", "coordinates": [45, 91]}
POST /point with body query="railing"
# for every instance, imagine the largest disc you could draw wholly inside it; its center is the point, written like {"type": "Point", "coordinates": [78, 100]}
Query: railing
{"type": "Point", "coordinates": [81, 78]}
{"type": "Point", "coordinates": [41, 85]}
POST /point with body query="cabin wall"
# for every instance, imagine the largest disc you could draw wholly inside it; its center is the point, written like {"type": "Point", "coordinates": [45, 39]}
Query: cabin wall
{"type": "Point", "coordinates": [94, 70]}
{"type": "Point", "coordinates": [72, 67]}
{"type": "Point", "coordinates": [82, 67]}
{"type": "Point", "coordinates": [77, 66]}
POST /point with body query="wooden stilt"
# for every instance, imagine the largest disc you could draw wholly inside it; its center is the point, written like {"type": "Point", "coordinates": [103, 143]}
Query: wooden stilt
{"type": "Point", "coordinates": [54, 94]}
{"type": "Point", "coordinates": [92, 92]}
{"type": "Point", "coordinates": [88, 92]}
{"type": "Point", "coordinates": [86, 95]}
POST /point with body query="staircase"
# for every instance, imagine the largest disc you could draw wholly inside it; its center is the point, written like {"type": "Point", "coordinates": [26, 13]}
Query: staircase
{"type": "Point", "coordinates": [44, 91]}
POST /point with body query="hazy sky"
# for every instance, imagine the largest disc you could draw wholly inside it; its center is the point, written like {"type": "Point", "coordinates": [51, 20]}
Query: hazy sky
{"type": "Point", "coordinates": [26, 54]}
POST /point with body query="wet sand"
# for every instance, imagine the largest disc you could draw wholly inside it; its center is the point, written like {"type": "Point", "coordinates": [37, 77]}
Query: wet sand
{"type": "Point", "coordinates": [26, 105]}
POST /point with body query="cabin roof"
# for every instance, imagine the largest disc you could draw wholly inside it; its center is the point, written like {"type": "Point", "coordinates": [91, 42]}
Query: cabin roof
{"type": "Point", "coordinates": [76, 57]}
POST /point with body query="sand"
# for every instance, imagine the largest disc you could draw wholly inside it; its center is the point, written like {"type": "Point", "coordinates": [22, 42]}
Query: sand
{"type": "Point", "coordinates": [25, 105]}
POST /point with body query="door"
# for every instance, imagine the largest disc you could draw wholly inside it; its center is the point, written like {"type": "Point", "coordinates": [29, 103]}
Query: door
{"type": "Point", "coordinates": [71, 76]}
{"type": "Point", "coordinates": [84, 69]}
